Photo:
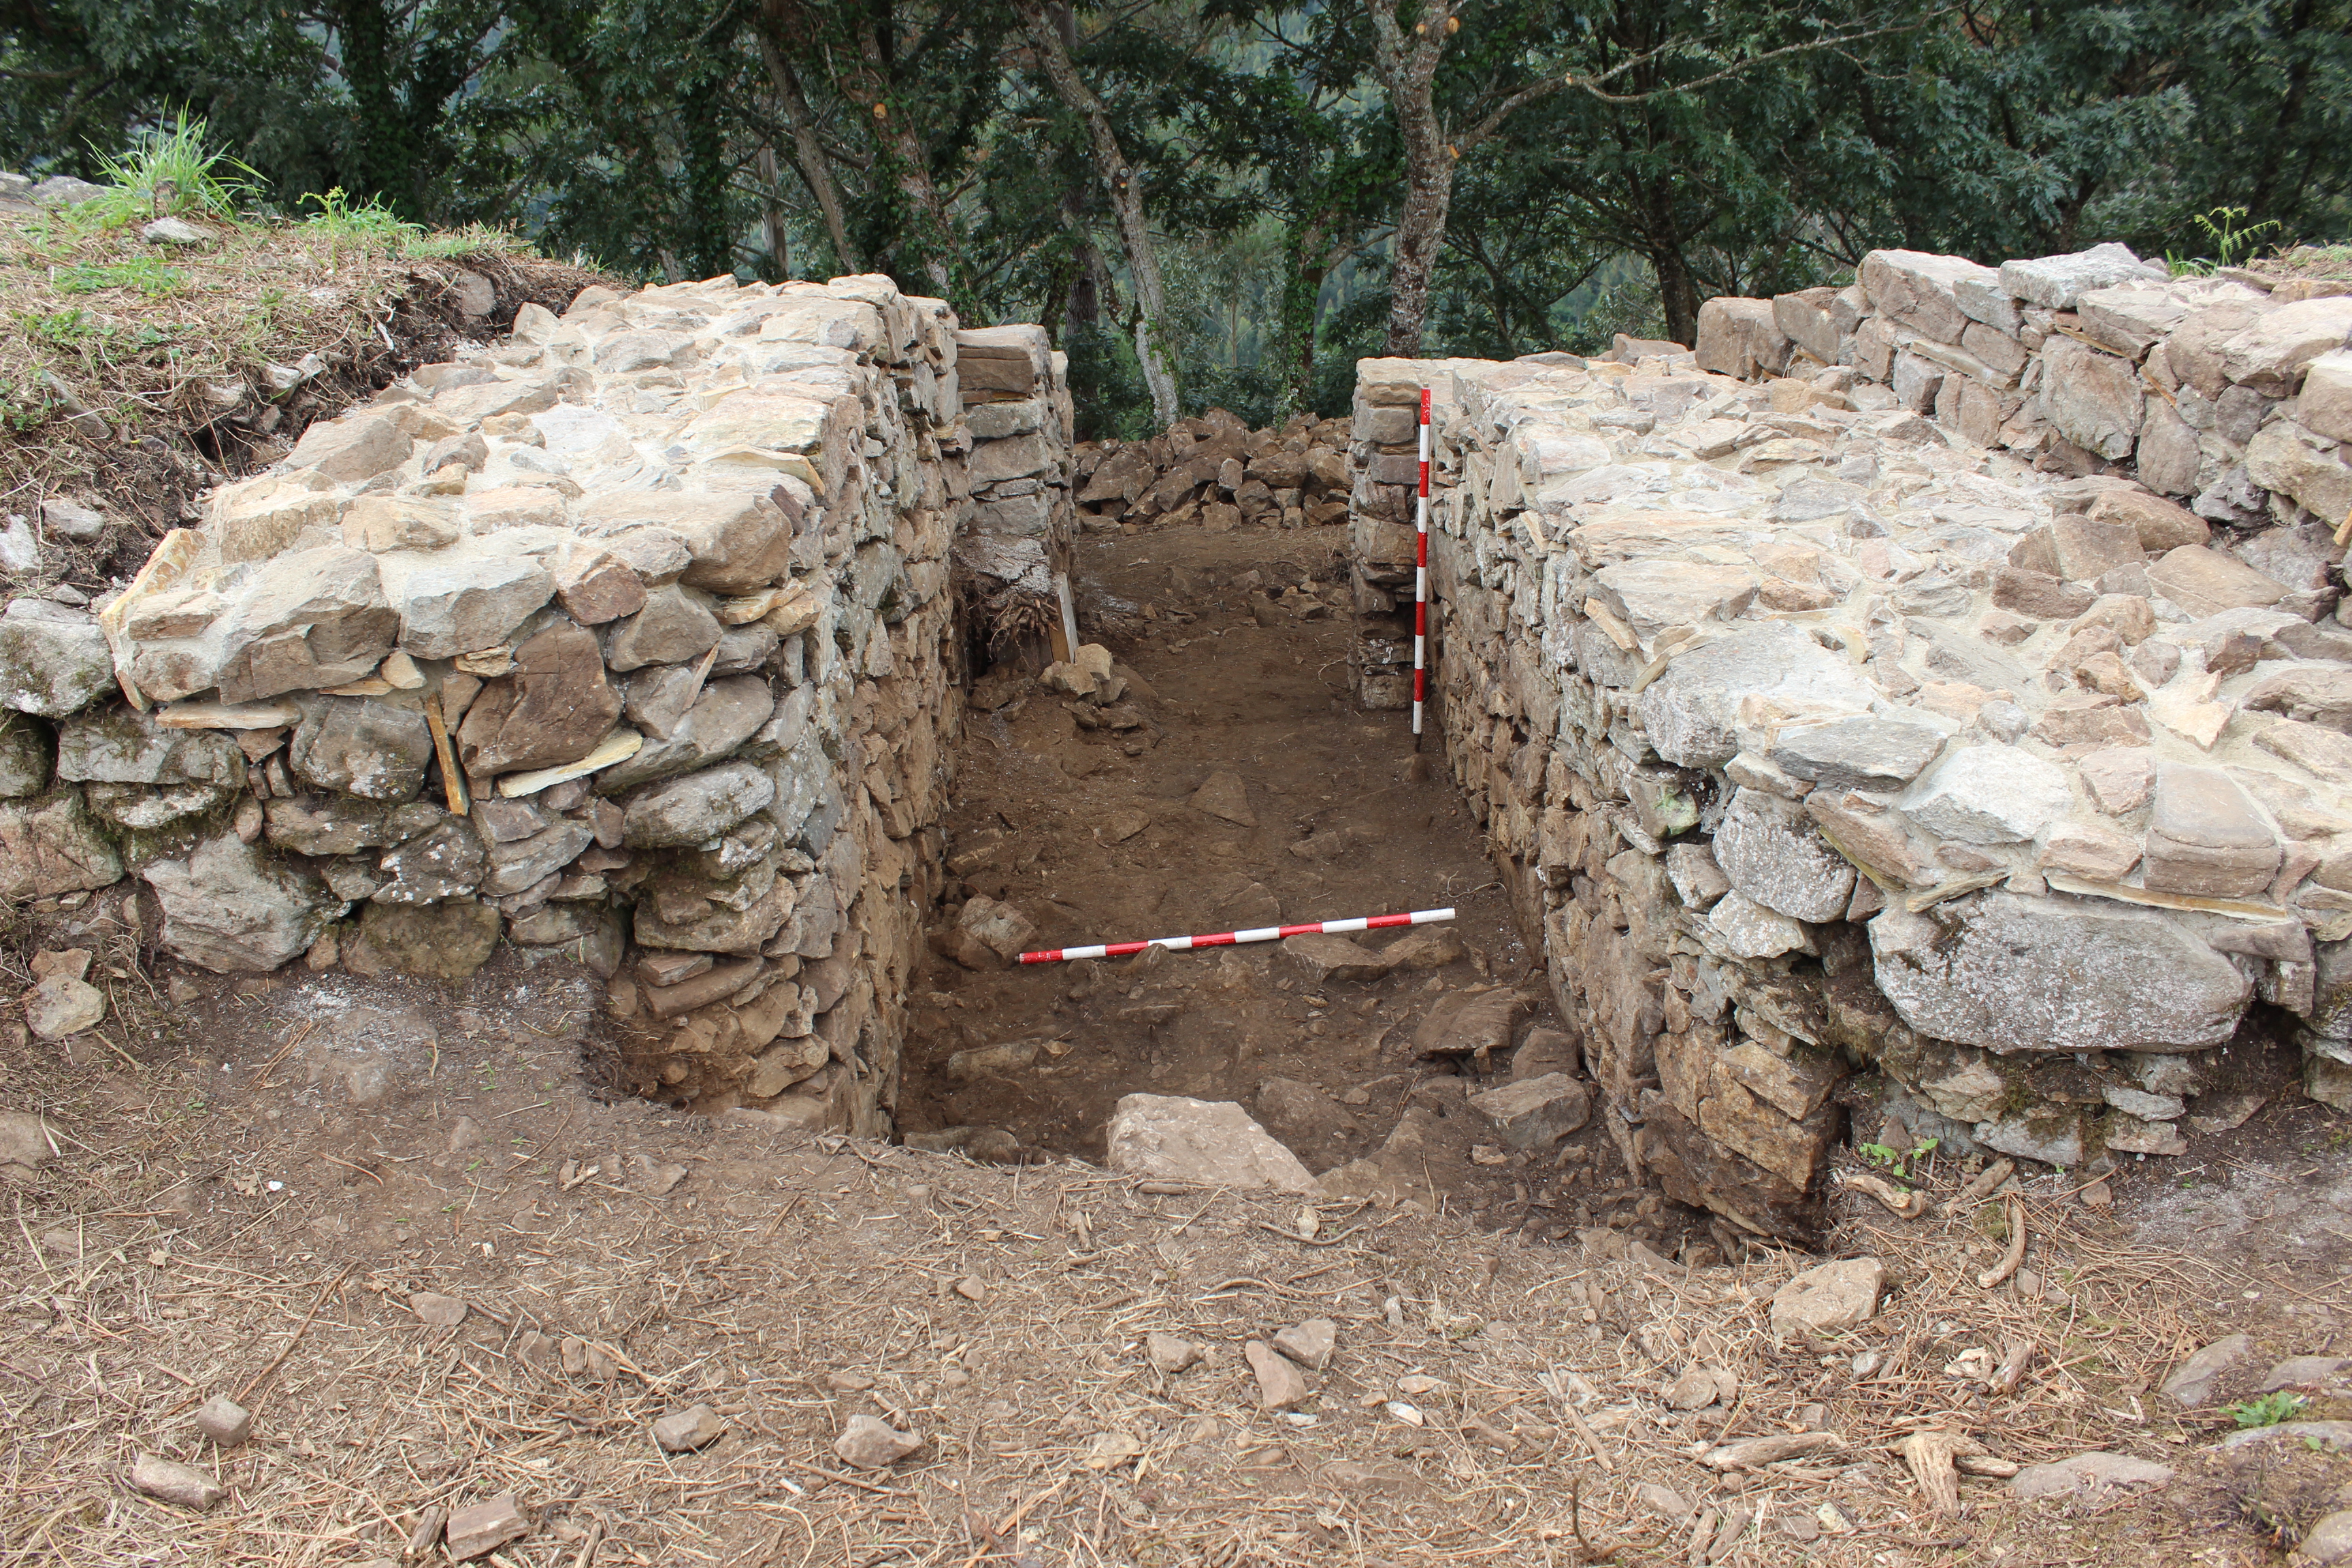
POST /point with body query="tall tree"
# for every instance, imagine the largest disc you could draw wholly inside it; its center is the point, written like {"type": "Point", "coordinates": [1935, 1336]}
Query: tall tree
{"type": "Point", "coordinates": [1123, 185]}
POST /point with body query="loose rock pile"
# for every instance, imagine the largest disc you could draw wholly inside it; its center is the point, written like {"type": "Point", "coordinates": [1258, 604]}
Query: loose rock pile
{"type": "Point", "coordinates": [1818, 736]}
{"type": "Point", "coordinates": [627, 641]}
{"type": "Point", "coordinates": [1216, 471]}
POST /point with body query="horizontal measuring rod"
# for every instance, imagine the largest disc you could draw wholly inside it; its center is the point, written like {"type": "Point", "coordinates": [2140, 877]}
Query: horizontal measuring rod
{"type": "Point", "coordinates": [1235, 937]}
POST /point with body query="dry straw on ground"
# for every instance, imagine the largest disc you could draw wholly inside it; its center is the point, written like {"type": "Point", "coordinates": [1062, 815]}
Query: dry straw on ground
{"type": "Point", "coordinates": [998, 1312]}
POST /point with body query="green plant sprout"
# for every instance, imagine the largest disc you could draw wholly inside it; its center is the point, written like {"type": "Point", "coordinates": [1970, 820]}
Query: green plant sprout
{"type": "Point", "coordinates": [1899, 1162]}
{"type": "Point", "coordinates": [2267, 1410]}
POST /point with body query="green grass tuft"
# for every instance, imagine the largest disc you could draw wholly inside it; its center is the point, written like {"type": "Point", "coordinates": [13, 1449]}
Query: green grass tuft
{"type": "Point", "coordinates": [170, 173]}
{"type": "Point", "coordinates": [143, 274]}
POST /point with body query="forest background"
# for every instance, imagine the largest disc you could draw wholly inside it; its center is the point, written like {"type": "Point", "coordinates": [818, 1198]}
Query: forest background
{"type": "Point", "coordinates": [1218, 202]}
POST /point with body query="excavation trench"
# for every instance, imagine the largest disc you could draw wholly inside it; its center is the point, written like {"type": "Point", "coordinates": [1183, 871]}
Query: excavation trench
{"type": "Point", "coordinates": [1235, 783]}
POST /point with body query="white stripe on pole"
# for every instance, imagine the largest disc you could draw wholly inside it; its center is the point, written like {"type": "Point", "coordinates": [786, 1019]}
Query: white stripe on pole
{"type": "Point", "coordinates": [1421, 575]}
{"type": "Point", "coordinates": [1233, 938]}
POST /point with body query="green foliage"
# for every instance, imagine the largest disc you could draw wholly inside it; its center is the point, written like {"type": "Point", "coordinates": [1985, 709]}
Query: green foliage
{"type": "Point", "coordinates": [2231, 235]}
{"type": "Point", "coordinates": [2268, 1409]}
{"type": "Point", "coordinates": [662, 142]}
{"type": "Point", "coordinates": [170, 173]}
{"type": "Point", "coordinates": [1900, 1162]}
{"type": "Point", "coordinates": [368, 221]}
{"type": "Point", "coordinates": [142, 274]}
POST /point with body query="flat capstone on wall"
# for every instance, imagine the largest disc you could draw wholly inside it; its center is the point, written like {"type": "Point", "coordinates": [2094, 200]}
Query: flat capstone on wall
{"type": "Point", "coordinates": [1826, 747]}
{"type": "Point", "coordinates": [631, 642]}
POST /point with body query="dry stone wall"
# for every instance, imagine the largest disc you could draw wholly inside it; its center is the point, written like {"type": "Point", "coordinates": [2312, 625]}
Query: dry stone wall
{"type": "Point", "coordinates": [1814, 797]}
{"type": "Point", "coordinates": [631, 642]}
{"type": "Point", "coordinates": [2230, 392]}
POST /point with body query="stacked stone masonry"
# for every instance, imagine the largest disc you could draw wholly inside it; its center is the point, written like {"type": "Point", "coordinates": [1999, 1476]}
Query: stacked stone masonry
{"type": "Point", "coordinates": [1216, 471]}
{"type": "Point", "coordinates": [1826, 749]}
{"type": "Point", "coordinates": [630, 642]}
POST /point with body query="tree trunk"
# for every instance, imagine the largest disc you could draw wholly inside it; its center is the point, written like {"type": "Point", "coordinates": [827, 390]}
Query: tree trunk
{"type": "Point", "coordinates": [1296, 315]}
{"type": "Point", "coordinates": [771, 214]}
{"type": "Point", "coordinates": [1420, 234]}
{"type": "Point", "coordinates": [1678, 294]}
{"type": "Point", "coordinates": [1408, 71]}
{"type": "Point", "coordinates": [912, 170]}
{"type": "Point", "coordinates": [809, 154]}
{"type": "Point", "coordinates": [1125, 188]}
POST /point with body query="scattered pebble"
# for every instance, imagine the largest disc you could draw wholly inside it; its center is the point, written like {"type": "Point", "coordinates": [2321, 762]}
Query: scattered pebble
{"type": "Point", "coordinates": [869, 1443]}
{"type": "Point", "coordinates": [1168, 1353]}
{"type": "Point", "coordinates": [482, 1529]}
{"type": "Point", "coordinates": [176, 1482]}
{"type": "Point", "coordinates": [439, 1311]}
{"type": "Point", "coordinates": [684, 1431]}
{"type": "Point", "coordinates": [1279, 1382]}
{"type": "Point", "coordinates": [225, 1421]}
{"type": "Point", "coordinates": [1310, 1343]}
{"type": "Point", "coordinates": [1409, 1415]}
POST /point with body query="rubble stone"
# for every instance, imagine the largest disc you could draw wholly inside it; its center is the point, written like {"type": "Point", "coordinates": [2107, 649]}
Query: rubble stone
{"type": "Point", "coordinates": [1174, 1138]}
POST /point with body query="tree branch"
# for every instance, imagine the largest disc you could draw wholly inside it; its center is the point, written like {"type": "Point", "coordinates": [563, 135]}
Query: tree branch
{"type": "Point", "coordinates": [1590, 84]}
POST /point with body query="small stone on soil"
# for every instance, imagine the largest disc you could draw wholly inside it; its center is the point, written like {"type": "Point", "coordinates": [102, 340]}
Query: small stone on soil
{"type": "Point", "coordinates": [1168, 1353]}
{"type": "Point", "coordinates": [1225, 797]}
{"type": "Point", "coordinates": [176, 1482]}
{"type": "Point", "coordinates": [683, 1431]}
{"type": "Point", "coordinates": [482, 1529]}
{"type": "Point", "coordinates": [1279, 1383]}
{"type": "Point", "coordinates": [224, 1420]}
{"type": "Point", "coordinates": [1310, 1343]}
{"type": "Point", "coordinates": [1425, 947]}
{"type": "Point", "coordinates": [2087, 1475]}
{"type": "Point", "coordinates": [2191, 1384]}
{"type": "Point", "coordinates": [439, 1311]}
{"type": "Point", "coordinates": [1834, 1296]}
{"type": "Point", "coordinates": [869, 1443]}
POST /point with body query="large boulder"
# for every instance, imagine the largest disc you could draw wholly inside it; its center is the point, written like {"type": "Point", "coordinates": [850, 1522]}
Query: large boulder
{"type": "Point", "coordinates": [2013, 973]}
{"type": "Point", "coordinates": [453, 607]}
{"type": "Point", "coordinates": [361, 745]}
{"type": "Point", "coordinates": [1771, 851]}
{"type": "Point", "coordinates": [2056, 282]}
{"type": "Point", "coordinates": [1692, 711]}
{"type": "Point", "coordinates": [54, 659]}
{"type": "Point", "coordinates": [310, 619]}
{"type": "Point", "coordinates": [1172, 1137]}
{"type": "Point", "coordinates": [227, 906]}
{"type": "Point", "coordinates": [553, 708]}
{"type": "Point", "coordinates": [52, 846]}
{"type": "Point", "coordinates": [1741, 337]}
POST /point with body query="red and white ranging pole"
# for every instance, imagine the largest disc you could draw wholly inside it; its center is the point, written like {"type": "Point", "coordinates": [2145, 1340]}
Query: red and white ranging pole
{"type": "Point", "coordinates": [1234, 938]}
{"type": "Point", "coordinates": [1420, 577]}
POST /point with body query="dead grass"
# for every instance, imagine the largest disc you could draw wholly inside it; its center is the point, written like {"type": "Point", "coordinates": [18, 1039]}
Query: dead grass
{"type": "Point", "coordinates": [793, 1284]}
{"type": "Point", "coordinates": [2309, 261]}
{"type": "Point", "coordinates": [112, 344]}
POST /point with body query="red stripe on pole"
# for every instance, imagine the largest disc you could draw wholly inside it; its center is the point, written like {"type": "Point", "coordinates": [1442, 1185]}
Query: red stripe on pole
{"type": "Point", "coordinates": [1230, 939]}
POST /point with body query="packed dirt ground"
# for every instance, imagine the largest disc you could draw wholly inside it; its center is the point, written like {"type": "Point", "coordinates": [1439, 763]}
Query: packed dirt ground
{"type": "Point", "coordinates": [1233, 785]}
{"type": "Point", "coordinates": [279, 1191]}
{"type": "Point", "coordinates": [413, 1231]}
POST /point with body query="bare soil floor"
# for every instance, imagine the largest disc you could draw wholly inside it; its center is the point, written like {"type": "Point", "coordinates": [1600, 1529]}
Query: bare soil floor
{"type": "Point", "coordinates": [1087, 817]}
{"type": "Point", "coordinates": [282, 1189]}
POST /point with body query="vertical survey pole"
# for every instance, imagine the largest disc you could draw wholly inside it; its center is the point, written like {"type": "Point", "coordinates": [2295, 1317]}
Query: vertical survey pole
{"type": "Point", "coordinates": [1421, 579]}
